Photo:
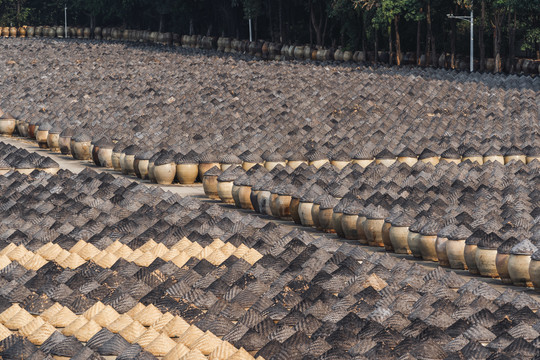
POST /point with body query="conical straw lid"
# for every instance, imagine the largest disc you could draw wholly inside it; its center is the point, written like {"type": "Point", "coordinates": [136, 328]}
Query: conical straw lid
{"type": "Point", "coordinates": [75, 325]}
{"type": "Point", "coordinates": [94, 310]}
{"type": "Point", "coordinates": [4, 261]}
{"type": "Point", "coordinates": [123, 252]}
{"type": "Point", "coordinates": [177, 352]}
{"type": "Point", "coordinates": [145, 259]}
{"type": "Point", "coordinates": [9, 313]}
{"type": "Point", "coordinates": [20, 319]}
{"type": "Point", "coordinates": [4, 332]}
{"type": "Point", "coordinates": [88, 251]}
{"type": "Point", "coordinates": [217, 257]}
{"type": "Point", "coordinates": [41, 334]}
{"type": "Point", "coordinates": [63, 318]}
{"type": "Point", "coordinates": [194, 355]}
{"type": "Point", "coordinates": [181, 259]}
{"type": "Point", "coordinates": [31, 326]}
{"type": "Point", "coordinates": [35, 263]}
{"type": "Point", "coordinates": [106, 316]}
{"type": "Point", "coordinates": [183, 244]}
{"type": "Point", "coordinates": [147, 337]}
{"type": "Point", "coordinates": [163, 320]}
{"type": "Point", "coordinates": [193, 250]}
{"type": "Point", "coordinates": [190, 336]}
{"type": "Point", "coordinates": [135, 310]}
{"type": "Point", "coordinates": [133, 331]}
{"type": "Point", "coordinates": [148, 316]}
{"type": "Point", "coordinates": [8, 249]}
{"type": "Point", "coordinates": [148, 246]}
{"type": "Point", "coordinates": [51, 312]}
{"type": "Point", "coordinates": [240, 355]}
{"type": "Point", "coordinates": [176, 327]}
{"type": "Point", "coordinates": [228, 249]}
{"type": "Point", "coordinates": [62, 255]}
{"type": "Point", "coordinates": [78, 246]}
{"type": "Point", "coordinates": [18, 253]}
{"type": "Point", "coordinates": [168, 256]}
{"type": "Point", "coordinates": [134, 255]}
{"type": "Point", "coordinates": [114, 246]}
{"type": "Point", "coordinates": [107, 261]}
{"type": "Point", "coordinates": [120, 323]}
{"type": "Point", "coordinates": [73, 261]}
{"type": "Point", "coordinates": [207, 343]}
{"type": "Point", "coordinates": [160, 346]}
{"type": "Point", "coordinates": [88, 330]}
{"type": "Point", "coordinates": [252, 256]}
{"type": "Point", "coordinates": [223, 351]}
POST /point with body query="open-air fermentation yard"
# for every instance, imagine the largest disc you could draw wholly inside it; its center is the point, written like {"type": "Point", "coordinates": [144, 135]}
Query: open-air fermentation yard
{"type": "Point", "coordinates": [329, 187]}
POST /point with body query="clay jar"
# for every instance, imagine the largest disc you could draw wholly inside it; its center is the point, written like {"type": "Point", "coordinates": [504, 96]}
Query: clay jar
{"type": "Point", "coordinates": [187, 168]}
{"type": "Point", "coordinates": [519, 262]}
{"type": "Point", "coordinates": [348, 222]}
{"type": "Point", "coordinates": [42, 134]}
{"type": "Point", "coordinates": [206, 162]}
{"type": "Point", "coordinates": [428, 239]}
{"type": "Point", "coordinates": [514, 153]}
{"type": "Point", "coordinates": [304, 212]}
{"type": "Point", "coordinates": [7, 124]}
{"type": "Point", "coordinates": [326, 211]}
{"type": "Point", "coordinates": [486, 255]}
{"type": "Point", "coordinates": [408, 157]}
{"type": "Point", "coordinates": [455, 247]}
{"type": "Point", "coordinates": [104, 153]}
{"type": "Point", "coordinates": [81, 146]}
{"type": "Point", "coordinates": [373, 226]}
{"type": "Point", "coordinates": [440, 245]}
{"type": "Point", "coordinates": [469, 252]}
{"type": "Point", "coordinates": [429, 157]}
{"type": "Point", "coordinates": [534, 270]}
{"type": "Point", "coordinates": [127, 161]}
{"type": "Point", "coordinates": [210, 182]}
{"type": "Point", "coordinates": [141, 164]}
{"type": "Point", "coordinates": [398, 234]}
{"type": "Point", "coordinates": [451, 156]}
{"type": "Point", "coordinates": [360, 232]}
{"type": "Point", "coordinates": [53, 139]}
{"type": "Point", "coordinates": [164, 169]}
{"type": "Point", "coordinates": [225, 183]}
{"type": "Point", "coordinates": [385, 157]}
{"type": "Point", "coordinates": [229, 160]}
{"type": "Point", "coordinates": [473, 155]}
{"type": "Point", "coordinates": [413, 237]}
{"type": "Point", "coordinates": [64, 141]}
{"type": "Point", "coordinates": [493, 155]}
{"type": "Point", "coordinates": [115, 156]}
{"type": "Point", "coordinates": [501, 260]}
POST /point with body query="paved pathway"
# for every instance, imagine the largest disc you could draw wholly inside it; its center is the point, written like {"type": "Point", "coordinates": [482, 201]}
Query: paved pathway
{"type": "Point", "coordinates": [67, 162]}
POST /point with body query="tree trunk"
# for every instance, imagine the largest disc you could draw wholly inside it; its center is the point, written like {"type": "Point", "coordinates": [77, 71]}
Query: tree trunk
{"type": "Point", "coordinates": [481, 43]}
{"type": "Point", "coordinates": [364, 34]}
{"type": "Point", "coordinates": [269, 6]}
{"type": "Point", "coordinates": [497, 20]}
{"type": "Point", "coordinates": [398, 41]}
{"type": "Point", "coordinates": [317, 26]}
{"type": "Point", "coordinates": [160, 23]}
{"type": "Point", "coordinates": [190, 27]}
{"type": "Point", "coordinates": [429, 34]}
{"type": "Point", "coordinates": [390, 43]}
{"type": "Point", "coordinates": [255, 34]}
{"type": "Point", "coordinates": [418, 33]}
{"type": "Point", "coordinates": [512, 43]}
{"type": "Point", "coordinates": [376, 57]}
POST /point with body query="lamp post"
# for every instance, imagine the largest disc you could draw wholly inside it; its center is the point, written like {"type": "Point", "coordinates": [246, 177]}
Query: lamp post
{"type": "Point", "coordinates": [250, 36]}
{"type": "Point", "coordinates": [470, 19]}
{"type": "Point", "coordinates": [65, 21]}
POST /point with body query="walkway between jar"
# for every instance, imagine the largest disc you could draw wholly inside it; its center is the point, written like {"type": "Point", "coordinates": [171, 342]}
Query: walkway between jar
{"type": "Point", "coordinates": [196, 191]}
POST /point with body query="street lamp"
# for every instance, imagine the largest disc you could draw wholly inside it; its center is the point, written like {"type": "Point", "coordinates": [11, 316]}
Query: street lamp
{"type": "Point", "coordinates": [65, 21]}
{"type": "Point", "coordinates": [470, 19]}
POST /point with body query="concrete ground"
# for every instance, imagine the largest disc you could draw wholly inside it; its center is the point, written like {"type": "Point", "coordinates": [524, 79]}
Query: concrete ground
{"type": "Point", "coordinates": [196, 191]}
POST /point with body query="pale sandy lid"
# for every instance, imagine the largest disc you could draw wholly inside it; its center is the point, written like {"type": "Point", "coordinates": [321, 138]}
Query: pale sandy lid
{"type": "Point", "coordinates": [133, 331]}
{"type": "Point", "coordinates": [161, 345]}
{"type": "Point", "coordinates": [177, 352]}
{"type": "Point", "coordinates": [88, 330]}
{"type": "Point", "coordinates": [41, 334]}
{"type": "Point", "coordinates": [223, 351]}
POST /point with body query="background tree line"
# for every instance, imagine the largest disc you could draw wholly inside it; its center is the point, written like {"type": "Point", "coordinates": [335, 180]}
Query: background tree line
{"type": "Point", "coordinates": [504, 29]}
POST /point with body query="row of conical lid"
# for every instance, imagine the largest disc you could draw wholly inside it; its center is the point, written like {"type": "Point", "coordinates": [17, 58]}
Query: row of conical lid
{"type": "Point", "coordinates": [432, 214]}
{"type": "Point", "coordinates": [340, 299]}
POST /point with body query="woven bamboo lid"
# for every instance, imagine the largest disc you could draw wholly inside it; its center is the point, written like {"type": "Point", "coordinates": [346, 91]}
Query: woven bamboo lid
{"type": "Point", "coordinates": [41, 334]}
{"type": "Point", "coordinates": [207, 343]}
{"type": "Point", "coordinates": [136, 309]}
{"type": "Point", "coordinates": [177, 352]}
{"type": "Point", "coordinates": [148, 315]}
{"type": "Point", "coordinates": [161, 345]}
{"type": "Point", "coordinates": [106, 316]}
{"type": "Point", "coordinates": [163, 320]}
{"type": "Point", "coordinates": [4, 332]}
{"type": "Point", "coordinates": [120, 323]}
{"type": "Point", "coordinates": [74, 326]}
{"type": "Point", "coordinates": [94, 310]}
{"type": "Point", "coordinates": [31, 326]}
{"type": "Point", "coordinates": [51, 312]}
{"type": "Point", "coordinates": [19, 320]}
{"type": "Point", "coordinates": [190, 336]}
{"type": "Point", "coordinates": [133, 331]}
{"type": "Point", "coordinates": [147, 337]}
{"type": "Point", "coordinates": [85, 332]}
{"type": "Point", "coordinates": [223, 351]}
{"type": "Point", "coordinates": [62, 318]}
{"type": "Point", "coordinates": [176, 327]}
